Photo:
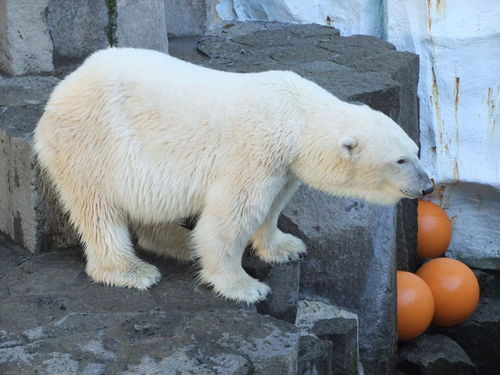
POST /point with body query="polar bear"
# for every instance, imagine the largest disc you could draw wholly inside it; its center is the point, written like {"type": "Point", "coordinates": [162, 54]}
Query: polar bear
{"type": "Point", "coordinates": [137, 138]}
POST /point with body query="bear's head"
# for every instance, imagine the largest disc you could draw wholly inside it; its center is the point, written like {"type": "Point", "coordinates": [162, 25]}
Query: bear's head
{"type": "Point", "coordinates": [361, 153]}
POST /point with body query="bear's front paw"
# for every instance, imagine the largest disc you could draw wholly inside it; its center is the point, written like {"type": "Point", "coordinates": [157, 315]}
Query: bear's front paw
{"type": "Point", "coordinates": [238, 287]}
{"type": "Point", "coordinates": [282, 248]}
{"type": "Point", "coordinates": [138, 274]}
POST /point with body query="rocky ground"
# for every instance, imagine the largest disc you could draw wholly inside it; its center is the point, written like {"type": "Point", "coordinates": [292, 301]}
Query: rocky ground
{"type": "Point", "coordinates": [55, 320]}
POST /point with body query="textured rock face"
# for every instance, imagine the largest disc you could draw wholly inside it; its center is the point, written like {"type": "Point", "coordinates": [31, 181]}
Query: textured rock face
{"type": "Point", "coordinates": [284, 282]}
{"type": "Point", "coordinates": [478, 336]}
{"type": "Point", "coordinates": [29, 214]}
{"type": "Point", "coordinates": [77, 28]}
{"type": "Point", "coordinates": [189, 17]}
{"type": "Point", "coordinates": [352, 245]}
{"type": "Point", "coordinates": [142, 24]}
{"type": "Point", "coordinates": [435, 355]}
{"type": "Point", "coordinates": [56, 321]}
{"type": "Point", "coordinates": [25, 44]}
{"type": "Point", "coordinates": [34, 35]}
{"type": "Point", "coordinates": [350, 262]}
{"type": "Point", "coordinates": [329, 323]}
{"type": "Point", "coordinates": [315, 356]}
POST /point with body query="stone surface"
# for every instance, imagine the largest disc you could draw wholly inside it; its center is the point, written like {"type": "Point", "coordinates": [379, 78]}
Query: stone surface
{"type": "Point", "coordinates": [25, 44]}
{"type": "Point", "coordinates": [55, 320]}
{"type": "Point", "coordinates": [434, 355]}
{"type": "Point", "coordinates": [478, 336]}
{"type": "Point", "coordinates": [29, 213]}
{"type": "Point", "coordinates": [475, 212]}
{"type": "Point", "coordinates": [284, 282]}
{"type": "Point", "coordinates": [81, 27]}
{"type": "Point", "coordinates": [185, 48]}
{"type": "Point", "coordinates": [142, 24]}
{"type": "Point", "coordinates": [77, 28]}
{"type": "Point", "coordinates": [329, 323]}
{"type": "Point", "coordinates": [189, 17]}
{"type": "Point", "coordinates": [315, 356]}
{"type": "Point", "coordinates": [489, 283]}
{"type": "Point", "coordinates": [350, 262]}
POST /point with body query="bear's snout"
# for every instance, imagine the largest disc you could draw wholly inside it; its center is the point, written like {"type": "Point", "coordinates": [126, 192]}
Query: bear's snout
{"type": "Point", "coordinates": [428, 185]}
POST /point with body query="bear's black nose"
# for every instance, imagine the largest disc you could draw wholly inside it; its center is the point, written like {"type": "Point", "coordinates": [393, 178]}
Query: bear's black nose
{"type": "Point", "coordinates": [428, 191]}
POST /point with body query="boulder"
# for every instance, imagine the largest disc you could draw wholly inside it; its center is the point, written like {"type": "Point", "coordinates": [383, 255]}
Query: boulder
{"type": "Point", "coordinates": [188, 17]}
{"type": "Point", "coordinates": [25, 43]}
{"type": "Point", "coordinates": [315, 356]}
{"type": "Point", "coordinates": [141, 24]}
{"type": "Point", "coordinates": [77, 28]}
{"type": "Point", "coordinates": [55, 320]}
{"type": "Point", "coordinates": [319, 322]}
{"type": "Point", "coordinates": [29, 213]}
{"type": "Point", "coordinates": [284, 282]}
{"type": "Point", "coordinates": [434, 355]}
{"type": "Point", "coordinates": [478, 336]}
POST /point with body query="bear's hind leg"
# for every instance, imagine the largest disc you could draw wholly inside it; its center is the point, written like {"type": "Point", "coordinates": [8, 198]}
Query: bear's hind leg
{"type": "Point", "coordinates": [109, 250]}
{"type": "Point", "coordinates": [269, 243]}
{"type": "Point", "coordinates": [170, 240]}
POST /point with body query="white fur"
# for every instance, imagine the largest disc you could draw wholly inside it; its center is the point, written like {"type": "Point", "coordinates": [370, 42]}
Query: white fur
{"type": "Point", "coordinates": [138, 137]}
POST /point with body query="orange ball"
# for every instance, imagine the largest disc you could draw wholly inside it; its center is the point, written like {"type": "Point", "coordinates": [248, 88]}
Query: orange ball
{"type": "Point", "coordinates": [415, 306]}
{"type": "Point", "coordinates": [434, 230]}
{"type": "Point", "coordinates": [455, 290]}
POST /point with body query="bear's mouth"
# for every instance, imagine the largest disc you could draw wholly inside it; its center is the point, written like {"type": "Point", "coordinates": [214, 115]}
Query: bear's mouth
{"type": "Point", "coordinates": [408, 194]}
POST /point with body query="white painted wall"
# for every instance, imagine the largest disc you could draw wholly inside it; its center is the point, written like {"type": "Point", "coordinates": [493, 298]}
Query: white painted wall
{"type": "Point", "coordinates": [459, 47]}
{"type": "Point", "coordinates": [349, 16]}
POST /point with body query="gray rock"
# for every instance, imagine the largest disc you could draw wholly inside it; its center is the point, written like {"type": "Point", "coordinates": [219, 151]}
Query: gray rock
{"type": "Point", "coordinates": [333, 324]}
{"type": "Point", "coordinates": [25, 44]}
{"type": "Point", "coordinates": [350, 262]}
{"type": "Point", "coordinates": [28, 90]}
{"type": "Point", "coordinates": [81, 27]}
{"type": "Point", "coordinates": [142, 24]}
{"type": "Point", "coordinates": [77, 28]}
{"type": "Point", "coordinates": [188, 17]}
{"type": "Point", "coordinates": [478, 336]}
{"type": "Point", "coordinates": [185, 48]}
{"type": "Point", "coordinates": [54, 319]}
{"type": "Point", "coordinates": [315, 356]}
{"type": "Point", "coordinates": [29, 213]}
{"type": "Point", "coordinates": [177, 342]}
{"type": "Point", "coordinates": [284, 282]}
{"type": "Point", "coordinates": [434, 355]}
{"type": "Point", "coordinates": [489, 282]}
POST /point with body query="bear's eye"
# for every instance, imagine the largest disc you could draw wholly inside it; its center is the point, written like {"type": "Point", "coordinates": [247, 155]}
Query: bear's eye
{"type": "Point", "coordinates": [401, 161]}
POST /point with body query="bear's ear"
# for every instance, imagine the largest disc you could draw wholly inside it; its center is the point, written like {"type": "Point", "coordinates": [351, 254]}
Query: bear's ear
{"type": "Point", "coordinates": [348, 145]}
